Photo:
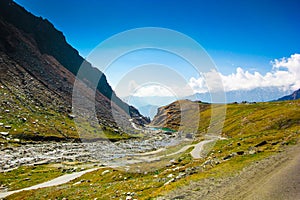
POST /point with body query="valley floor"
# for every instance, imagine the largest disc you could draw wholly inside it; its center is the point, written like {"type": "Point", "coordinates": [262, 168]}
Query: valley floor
{"type": "Point", "coordinates": [275, 177]}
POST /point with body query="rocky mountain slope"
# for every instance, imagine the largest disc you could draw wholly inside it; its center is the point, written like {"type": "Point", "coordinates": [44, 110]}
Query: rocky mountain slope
{"type": "Point", "coordinates": [179, 115]}
{"type": "Point", "coordinates": [295, 95]}
{"type": "Point", "coordinates": [37, 72]}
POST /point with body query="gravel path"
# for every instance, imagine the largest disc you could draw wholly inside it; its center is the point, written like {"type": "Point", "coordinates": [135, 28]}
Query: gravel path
{"type": "Point", "coordinates": [196, 152]}
{"type": "Point", "coordinates": [276, 177]}
{"type": "Point", "coordinates": [283, 183]}
{"type": "Point", "coordinates": [54, 182]}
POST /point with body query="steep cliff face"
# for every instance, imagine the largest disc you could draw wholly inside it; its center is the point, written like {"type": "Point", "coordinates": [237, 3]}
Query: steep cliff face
{"type": "Point", "coordinates": [38, 69]}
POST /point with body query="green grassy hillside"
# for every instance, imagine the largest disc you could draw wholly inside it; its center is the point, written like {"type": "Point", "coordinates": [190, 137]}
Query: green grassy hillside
{"type": "Point", "coordinates": [253, 132]}
{"type": "Point", "coordinates": [25, 120]}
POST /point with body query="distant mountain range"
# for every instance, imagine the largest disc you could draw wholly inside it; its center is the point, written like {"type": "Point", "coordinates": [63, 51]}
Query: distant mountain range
{"type": "Point", "coordinates": [148, 110]}
{"type": "Point", "coordinates": [146, 105]}
{"type": "Point", "coordinates": [254, 95]}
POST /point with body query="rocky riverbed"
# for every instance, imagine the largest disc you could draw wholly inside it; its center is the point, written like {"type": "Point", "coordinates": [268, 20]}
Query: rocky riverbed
{"type": "Point", "coordinates": [15, 155]}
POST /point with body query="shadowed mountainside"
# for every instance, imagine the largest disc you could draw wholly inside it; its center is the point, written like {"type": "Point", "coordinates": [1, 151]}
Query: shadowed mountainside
{"type": "Point", "coordinates": [38, 69]}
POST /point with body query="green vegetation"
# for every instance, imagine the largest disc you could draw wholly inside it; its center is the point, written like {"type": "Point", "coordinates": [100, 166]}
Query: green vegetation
{"type": "Point", "coordinates": [29, 122]}
{"type": "Point", "coordinates": [253, 132]}
{"type": "Point", "coordinates": [26, 176]}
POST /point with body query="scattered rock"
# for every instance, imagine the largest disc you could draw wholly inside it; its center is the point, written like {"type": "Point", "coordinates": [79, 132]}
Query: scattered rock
{"type": "Point", "coordinates": [7, 126]}
{"type": "Point", "coordinates": [128, 197]}
{"type": "Point", "coordinates": [240, 153]}
{"type": "Point", "coordinates": [71, 116]}
{"type": "Point", "coordinates": [179, 197]}
{"type": "Point", "coordinates": [173, 161]}
{"type": "Point", "coordinates": [208, 162]}
{"type": "Point", "coordinates": [261, 144]}
{"type": "Point", "coordinates": [170, 175]}
{"type": "Point", "coordinates": [105, 172]}
{"type": "Point", "coordinates": [251, 152]}
{"type": "Point", "coordinates": [227, 157]}
{"type": "Point", "coordinates": [77, 183]}
{"type": "Point", "coordinates": [189, 136]}
{"type": "Point", "coordinates": [170, 181]}
{"type": "Point", "coordinates": [180, 175]}
{"type": "Point", "coordinates": [42, 162]}
{"type": "Point", "coordinates": [274, 143]}
{"type": "Point", "coordinates": [4, 133]}
{"type": "Point", "coordinates": [168, 132]}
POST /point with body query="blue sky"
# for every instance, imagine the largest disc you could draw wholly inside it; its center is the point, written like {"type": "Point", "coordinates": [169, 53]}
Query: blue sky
{"type": "Point", "coordinates": [236, 34]}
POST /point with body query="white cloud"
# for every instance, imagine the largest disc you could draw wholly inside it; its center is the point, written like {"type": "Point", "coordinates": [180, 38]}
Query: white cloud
{"type": "Point", "coordinates": [284, 75]}
{"type": "Point", "coordinates": [152, 90]}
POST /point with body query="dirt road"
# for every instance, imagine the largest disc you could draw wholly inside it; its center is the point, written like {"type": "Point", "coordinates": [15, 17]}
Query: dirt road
{"type": "Point", "coordinates": [57, 181]}
{"type": "Point", "coordinates": [282, 183]}
{"type": "Point", "coordinates": [276, 177]}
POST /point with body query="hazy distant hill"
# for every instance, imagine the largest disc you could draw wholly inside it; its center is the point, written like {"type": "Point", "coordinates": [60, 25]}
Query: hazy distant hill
{"type": "Point", "coordinates": [295, 95]}
{"type": "Point", "coordinates": [147, 106]}
{"type": "Point", "coordinates": [148, 110]}
{"type": "Point", "coordinates": [254, 95]}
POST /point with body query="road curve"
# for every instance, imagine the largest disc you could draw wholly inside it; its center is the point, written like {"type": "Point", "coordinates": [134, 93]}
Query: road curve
{"type": "Point", "coordinates": [196, 152]}
{"type": "Point", "coordinates": [54, 182]}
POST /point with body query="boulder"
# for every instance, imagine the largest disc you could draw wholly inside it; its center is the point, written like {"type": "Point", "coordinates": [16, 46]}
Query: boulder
{"type": "Point", "coordinates": [251, 152]}
{"type": "Point", "coordinates": [71, 116]}
{"type": "Point", "coordinates": [261, 144]}
{"type": "Point", "coordinates": [105, 172]}
{"type": "Point", "coordinates": [189, 136]}
{"type": "Point", "coordinates": [227, 157]}
{"type": "Point", "coordinates": [128, 197]}
{"type": "Point", "coordinates": [4, 133]}
{"type": "Point", "coordinates": [7, 126]}
{"type": "Point", "coordinates": [170, 175]}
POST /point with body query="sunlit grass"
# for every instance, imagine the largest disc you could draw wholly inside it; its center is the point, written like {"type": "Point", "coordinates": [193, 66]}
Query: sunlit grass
{"type": "Point", "coordinates": [246, 126]}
